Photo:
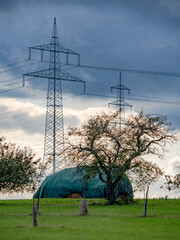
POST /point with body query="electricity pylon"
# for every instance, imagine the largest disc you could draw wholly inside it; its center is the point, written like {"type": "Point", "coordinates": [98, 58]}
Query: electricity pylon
{"type": "Point", "coordinates": [120, 102]}
{"type": "Point", "coordinates": [54, 128]}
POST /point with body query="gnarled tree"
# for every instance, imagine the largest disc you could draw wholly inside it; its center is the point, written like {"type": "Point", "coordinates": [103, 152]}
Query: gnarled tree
{"type": "Point", "coordinates": [103, 149]}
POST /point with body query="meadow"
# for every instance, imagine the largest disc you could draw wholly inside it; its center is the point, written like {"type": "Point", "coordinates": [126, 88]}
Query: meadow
{"type": "Point", "coordinates": [59, 219]}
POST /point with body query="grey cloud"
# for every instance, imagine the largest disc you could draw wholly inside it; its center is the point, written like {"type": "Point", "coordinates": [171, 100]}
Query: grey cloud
{"type": "Point", "coordinates": [147, 7]}
{"type": "Point", "coordinates": [71, 121]}
{"type": "Point", "coordinates": [24, 122]}
{"type": "Point", "coordinates": [172, 7]}
{"type": "Point", "coordinates": [174, 165]}
{"type": "Point", "coordinates": [9, 5]}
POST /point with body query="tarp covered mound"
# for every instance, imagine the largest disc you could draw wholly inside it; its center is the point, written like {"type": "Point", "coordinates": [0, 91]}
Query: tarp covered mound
{"type": "Point", "coordinates": [69, 181]}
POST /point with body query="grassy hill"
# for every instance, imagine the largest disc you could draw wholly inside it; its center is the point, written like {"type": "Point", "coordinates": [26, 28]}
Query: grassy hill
{"type": "Point", "coordinates": [59, 219]}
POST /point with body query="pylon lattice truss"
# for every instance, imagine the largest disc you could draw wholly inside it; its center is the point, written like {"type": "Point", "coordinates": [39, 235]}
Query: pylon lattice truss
{"type": "Point", "coordinates": [120, 102]}
{"type": "Point", "coordinates": [54, 129]}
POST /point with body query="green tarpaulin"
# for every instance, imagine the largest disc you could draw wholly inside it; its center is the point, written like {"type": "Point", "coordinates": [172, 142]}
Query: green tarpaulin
{"type": "Point", "coordinates": [69, 181]}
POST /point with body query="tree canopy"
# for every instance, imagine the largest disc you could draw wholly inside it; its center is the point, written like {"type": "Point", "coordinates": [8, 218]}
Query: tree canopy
{"type": "Point", "coordinates": [19, 171]}
{"type": "Point", "coordinates": [101, 146]}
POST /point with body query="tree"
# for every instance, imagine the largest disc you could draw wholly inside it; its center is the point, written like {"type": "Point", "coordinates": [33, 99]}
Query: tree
{"type": "Point", "coordinates": [102, 148]}
{"type": "Point", "coordinates": [172, 182]}
{"type": "Point", "coordinates": [145, 174]}
{"type": "Point", "coordinates": [18, 170]}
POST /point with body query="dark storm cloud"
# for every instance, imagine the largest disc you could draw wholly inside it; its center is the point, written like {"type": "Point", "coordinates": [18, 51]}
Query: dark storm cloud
{"type": "Point", "coordinates": [88, 3]}
{"type": "Point", "coordinates": [124, 34]}
{"type": "Point", "coordinates": [10, 4]}
{"type": "Point", "coordinates": [149, 13]}
{"type": "Point", "coordinates": [148, 7]}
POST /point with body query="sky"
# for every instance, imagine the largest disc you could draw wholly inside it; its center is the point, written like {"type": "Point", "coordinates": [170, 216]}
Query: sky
{"type": "Point", "coordinates": [130, 35]}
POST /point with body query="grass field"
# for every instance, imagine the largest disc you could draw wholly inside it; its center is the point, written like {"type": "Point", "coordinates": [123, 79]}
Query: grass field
{"type": "Point", "coordinates": [59, 219]}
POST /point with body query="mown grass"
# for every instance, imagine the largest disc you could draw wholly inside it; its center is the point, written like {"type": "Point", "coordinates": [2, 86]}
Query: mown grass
{"type": "Point", "coordinates": [59, 219]}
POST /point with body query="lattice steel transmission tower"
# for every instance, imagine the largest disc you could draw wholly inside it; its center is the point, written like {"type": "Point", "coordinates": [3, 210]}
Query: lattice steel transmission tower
{"type": "Point", "coordinates": [120, 102]}
{"type": "Point", "coordinates": [54, 128]}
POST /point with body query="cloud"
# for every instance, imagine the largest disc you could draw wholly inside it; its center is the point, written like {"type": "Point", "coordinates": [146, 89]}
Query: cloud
{"type": "Point", "coordinates": [87, 76]}
{"type": "Point", "coordinates": [174, 165]}
{"type": "Point", "coordinates": [83, 115]}
{"type": "Point", "coordinates": [172, 7]}
{"type": "Point", "coordinates": [35, 141]}
{"type": "Point", "coordinates": [22, 107]}
{"type": "Point", "coordinates": [101, 3]}
{"type": "Point", "coordinates": [19, 115]}
{"type": "Point", "coordinates": [8, 5]}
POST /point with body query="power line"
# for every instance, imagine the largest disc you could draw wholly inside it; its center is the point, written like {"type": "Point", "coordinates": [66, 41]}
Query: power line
{"type": "Point", "coordinates": [16, 119]}
{"type": "Point", "coordinates": [44, 89]}
{"type": "Point", "coordinates": [25, 129]}
{"type": "Point", "coordinates": [166, 101]}
{"type": "Point", "coordinates": [9, 90]}
{"type": "Point", "coordinates": [36, 88]}
{"type": "Point", "coordinates": [154, 99]}
{"type": "Point", "coordinates": [40, 105]}
{"type": "Point", "coordinates": [14, 63]}
{"type": "Point", "coordinates": [21, 109]}
{"type": "Point", "coordinates": [18, 67]}
{"type": "Point", "coordinates": [172, 74]}
{"type": "Point", "coordinates": [32, 126]}
{"type": "Point", "coordinates": [117, 23]}
{"type": "Point", "coordinates": [9, 84]}
{"type": "Point", "coordinates": [11, 79]}
{"type": "Point", "coordinates": [136, 99]}
{"type": "Point", "coordinates": [159, 98]}
{"type": "Point", "coordinates": [25, 26]}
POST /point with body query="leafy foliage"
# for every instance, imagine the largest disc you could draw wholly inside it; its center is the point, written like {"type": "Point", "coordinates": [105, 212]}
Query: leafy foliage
{"type": "Point", "coordinates": [101, 146]}
{"type": "Point", "coordinates": [18, 170]}
{"type": "Point", "coordinates": [173, 182]}
{"type": "Point", "coordinates": [144, 174]}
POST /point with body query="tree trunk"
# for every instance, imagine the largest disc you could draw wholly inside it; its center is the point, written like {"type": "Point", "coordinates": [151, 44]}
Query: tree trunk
{"type": "Point", "coordinates": [111, 197]}
{"type": "Point", "coordinates": [145, 202]}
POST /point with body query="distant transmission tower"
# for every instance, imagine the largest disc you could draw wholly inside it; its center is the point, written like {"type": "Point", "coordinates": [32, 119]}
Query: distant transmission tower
{"type": "Point", "coordinates": [120, 102]}
{"type": "Point", "coordinates": [54, 129]}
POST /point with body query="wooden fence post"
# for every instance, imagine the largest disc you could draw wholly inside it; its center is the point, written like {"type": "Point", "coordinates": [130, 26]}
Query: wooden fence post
{"type": "Point", "coordinates": [35, 215]}
{"type": "Point", "coordinates": [145, 203]}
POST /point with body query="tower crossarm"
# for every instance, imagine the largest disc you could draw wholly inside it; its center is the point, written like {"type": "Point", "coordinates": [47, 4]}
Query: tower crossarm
{"type": "Point", "coordinates": [118, 103]}
{"type": "Point", "coordinates": [122, 87]}
{"type": "Point", "coordinates": [60, 75]}
{"type": "Point", "coordinates": [55, 48]}
{"type": "Point", "coordinates": [50, 48]}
